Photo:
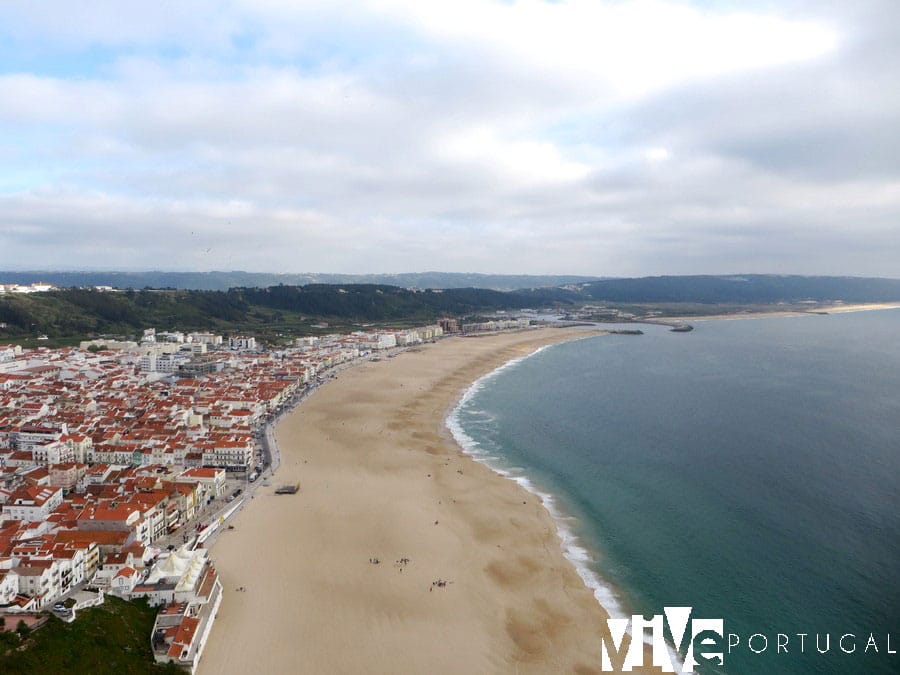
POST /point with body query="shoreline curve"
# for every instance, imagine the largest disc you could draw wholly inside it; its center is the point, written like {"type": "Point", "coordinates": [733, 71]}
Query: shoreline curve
{"type": "Point", "coordinates": [381, 479]}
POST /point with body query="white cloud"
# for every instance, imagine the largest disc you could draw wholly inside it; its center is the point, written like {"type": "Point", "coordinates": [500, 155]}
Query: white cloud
{"type": "Point", "coordinates": [657, 154]}
{"type": "Point", "coordinates": [582, 136]}
{"type": "Point", "coordinates": [523, 163]}
{"type": "Point", "coordinates": [623, 49]}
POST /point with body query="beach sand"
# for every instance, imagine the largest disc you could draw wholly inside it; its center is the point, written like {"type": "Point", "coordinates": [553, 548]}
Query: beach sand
{"type": "Point", "coordinates": [381, 478]}
{"type": "Point", "coordinates": [767, 314]}
{"type": "Point", "coordinates": [840, 309]}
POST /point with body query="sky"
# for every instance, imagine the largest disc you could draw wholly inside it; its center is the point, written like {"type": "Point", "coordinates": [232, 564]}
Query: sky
{"type": "Point", "coordinates": [620, 138]}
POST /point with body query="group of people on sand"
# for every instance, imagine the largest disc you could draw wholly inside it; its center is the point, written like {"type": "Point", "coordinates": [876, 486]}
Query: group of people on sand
{"type": "Point", "coordinates": [241, 589]}
{"type": "Point", "coordinates": [400, 563]}
{"type": "Point", "coordinates": [403, 562]}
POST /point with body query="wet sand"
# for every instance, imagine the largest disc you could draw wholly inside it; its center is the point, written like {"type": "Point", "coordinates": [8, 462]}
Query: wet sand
{"type": "Point", "coordinates": [381, 478]}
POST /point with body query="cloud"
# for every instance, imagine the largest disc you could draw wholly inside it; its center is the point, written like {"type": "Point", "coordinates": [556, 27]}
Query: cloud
{"type": "Point", "coordinates": [599, 138]}
{"type": "Point", "coordinates": [622, 49]}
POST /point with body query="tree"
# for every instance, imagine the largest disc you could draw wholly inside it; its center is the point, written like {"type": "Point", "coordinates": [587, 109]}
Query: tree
{"type": "Point", "coordinates": [22, 628]}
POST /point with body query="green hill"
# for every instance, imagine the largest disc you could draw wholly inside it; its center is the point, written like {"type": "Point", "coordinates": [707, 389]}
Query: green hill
{"type": "Point", "coordinates": [292, 310]}
{"type": "Point", "coordinates": [113, 639]}
{"type": "Point", "coordinates": [287, 309]}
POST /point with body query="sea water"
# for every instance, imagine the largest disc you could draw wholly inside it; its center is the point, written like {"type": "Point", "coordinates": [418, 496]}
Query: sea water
{"type": "Point", "coordinates": [749, 469]}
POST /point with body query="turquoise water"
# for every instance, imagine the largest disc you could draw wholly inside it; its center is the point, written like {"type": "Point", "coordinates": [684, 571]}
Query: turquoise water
{"type": "Point", "coordinates": [749, 469]}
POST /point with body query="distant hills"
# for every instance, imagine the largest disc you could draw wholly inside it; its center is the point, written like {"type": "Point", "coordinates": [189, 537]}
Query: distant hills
{"type": "Point", "coordinates": [743, 289]}
{"type": "Point", "coordinates": [285, 309]}
{"type": "Point", "coordinates": [222, 281]}
{"type": "Point", "coordinates": [711, 289]}
{"type": "Point", "coordinates": [269, 311]}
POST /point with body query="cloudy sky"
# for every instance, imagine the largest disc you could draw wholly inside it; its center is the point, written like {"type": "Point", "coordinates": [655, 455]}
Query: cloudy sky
{"type": "Point", "coordinates": [576, 136]}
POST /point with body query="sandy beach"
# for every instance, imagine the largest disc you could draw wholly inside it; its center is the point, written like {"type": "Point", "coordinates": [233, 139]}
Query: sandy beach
{"type": "Point", "coordinates": [381, 478]}
{"type": "Point", "coordinates": [817, 310]}
{"type": "Point", "coordinates": [840, 309]}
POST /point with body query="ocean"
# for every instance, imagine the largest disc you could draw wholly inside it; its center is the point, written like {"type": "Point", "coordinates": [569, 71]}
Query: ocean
{"type": "Point", "coordinates": [749, 469]}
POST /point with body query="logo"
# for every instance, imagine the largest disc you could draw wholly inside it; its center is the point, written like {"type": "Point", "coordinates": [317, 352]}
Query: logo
{"type": "Point", "coordinates": [704, 643]}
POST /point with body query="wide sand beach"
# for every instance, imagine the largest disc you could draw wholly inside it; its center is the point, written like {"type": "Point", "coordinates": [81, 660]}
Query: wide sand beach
{"type": "Point", "coordinates": [381, 478]}
{"type": "Point", "coordinates": [767, 314]}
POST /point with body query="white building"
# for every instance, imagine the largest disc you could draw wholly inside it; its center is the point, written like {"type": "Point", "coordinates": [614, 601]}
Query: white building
{"type": "Point", "coordinates": [182, 627]}
{"type": "Point", "coordinates": [33, 504]}
{"type": "Point", "coordinates": [9, 352]}
{"type": "Point", "coordinates": [54, 452]}
{"type": "Point", "coordinates": [430, 332]}
{"type": "Point", "coordinates": [9, 586]}
{"type": "Point", "coordinates": [29, 436]}
{"type": "Point", "coordinates": [408, 337]}
{"type": "Point", "coordinates": [367, 342]}
{"type": "Point", "coordinates": [162, 363]}
{"type": "Point", "coordinates": [177, 576]}
{"type": "Point", "coordinates": [206, 339]}
{"type": "Point", "coordinates": [211, 480]}
{"type": "Point", "coordinates": [39, 579]}
{"type": "Point", "coordinates": [71, 564]}
{"type": "Point", "coordinates": [241, 343]}
{"type": "Point", "coordinates": [233, 455]}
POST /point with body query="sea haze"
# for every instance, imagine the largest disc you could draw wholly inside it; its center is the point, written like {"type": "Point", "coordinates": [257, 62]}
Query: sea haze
{"type": "Point", "coordinates": [748, 469]}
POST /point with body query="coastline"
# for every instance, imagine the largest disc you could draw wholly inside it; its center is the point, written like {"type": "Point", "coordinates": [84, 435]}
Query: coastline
{"type": "Point", "coordinates": [816, 311]}
{"type": "Point", "coordinates": [381, 478]}
{"type": "Point", "coordinates": [579, 556]}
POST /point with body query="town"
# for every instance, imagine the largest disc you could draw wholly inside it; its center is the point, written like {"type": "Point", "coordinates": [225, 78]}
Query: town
{"type": "Point", "coordinates": [119, 459]}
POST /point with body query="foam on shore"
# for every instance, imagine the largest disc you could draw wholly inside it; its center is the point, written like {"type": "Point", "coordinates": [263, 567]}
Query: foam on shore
{"type": "Point", "coordinates": [378, 474]}
{"type": "Point", "coordinates": [572, 548]}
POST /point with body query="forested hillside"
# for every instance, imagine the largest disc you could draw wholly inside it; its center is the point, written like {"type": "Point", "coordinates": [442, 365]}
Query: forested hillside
{"type": "Point", "coordinates": [82, 311]}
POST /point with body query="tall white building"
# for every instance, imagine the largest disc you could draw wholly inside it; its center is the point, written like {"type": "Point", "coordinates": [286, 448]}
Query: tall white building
{"type": "Point", "coordinates": [162, 363]}
{"type": "Point", "coordinates": [241, 343]}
